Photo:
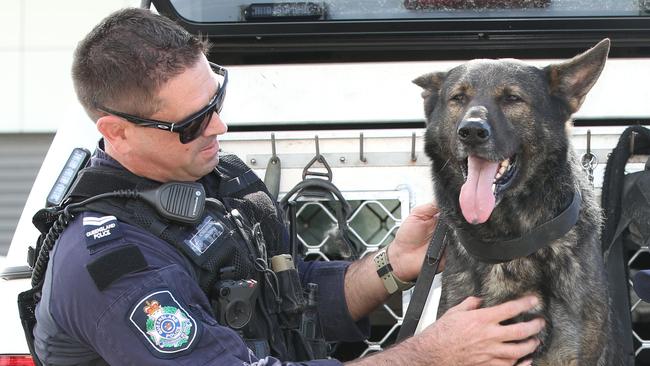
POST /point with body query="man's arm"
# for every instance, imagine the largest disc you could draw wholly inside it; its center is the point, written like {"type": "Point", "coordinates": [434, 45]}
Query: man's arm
{"type": "Point", "coordinates": [364, 290]}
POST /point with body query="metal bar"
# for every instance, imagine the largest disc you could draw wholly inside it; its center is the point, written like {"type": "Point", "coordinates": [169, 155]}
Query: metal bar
{"type": "Point", "coordinates": [386, 159]}
{"type": "Point", "coordinates": [340, 160]}
{"type": "Point", "coordinates": [361, 156]}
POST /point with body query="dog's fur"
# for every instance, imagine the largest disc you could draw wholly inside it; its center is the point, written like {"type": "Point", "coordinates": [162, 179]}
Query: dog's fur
{"type": "Point", "coordinates": [527, 111]}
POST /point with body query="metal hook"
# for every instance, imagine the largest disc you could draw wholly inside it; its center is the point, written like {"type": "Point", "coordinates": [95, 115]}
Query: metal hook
{"type": "Point", "coordinates": [320, 159]}
{"type": "Point", "coordinates": [274, 157]}
{"type": "Point", "coordinates": [589, 160]}
{"type": "Point", "coordinates": [361, 157]}
{"type": "Point", "coordinates": [413, 156]}
{"type": "Point", "coordinates": [273, 145]}
{"type": "Point", "coordinates": [273, 172]}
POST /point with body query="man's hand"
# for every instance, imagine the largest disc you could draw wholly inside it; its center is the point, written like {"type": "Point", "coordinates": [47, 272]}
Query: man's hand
{"type": "Point", "coordinates": [468, 336]}
{"type": "Point", "coordinates": [406, 252]}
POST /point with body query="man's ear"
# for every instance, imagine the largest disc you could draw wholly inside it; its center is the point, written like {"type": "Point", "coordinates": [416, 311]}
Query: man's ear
{"type": "Point", "coordinates": [113, 129]}
{"type": "Point", "coordinates": [571, 80]}
{"type": "Point", "coordinates": [431, 83]}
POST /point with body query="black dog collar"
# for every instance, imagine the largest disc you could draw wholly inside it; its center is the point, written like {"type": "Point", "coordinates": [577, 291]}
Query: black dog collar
{"type": "Point", "coordinates": [529, 243]}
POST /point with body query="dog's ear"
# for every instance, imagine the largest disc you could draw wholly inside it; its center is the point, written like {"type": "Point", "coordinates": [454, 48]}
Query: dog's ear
{"type": "Point", "coordinates": [431, 83]}
{"type": "Point", "coordinates": [571, 80]}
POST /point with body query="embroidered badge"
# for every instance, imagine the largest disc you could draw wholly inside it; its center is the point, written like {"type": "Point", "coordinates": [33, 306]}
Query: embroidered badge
{"type": "Point", "coordinates": [164, 323]}
{"type": "Point", "coordinates": [100, 229]}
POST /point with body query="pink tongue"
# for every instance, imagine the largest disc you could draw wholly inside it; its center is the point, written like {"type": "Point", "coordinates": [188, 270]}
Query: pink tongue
{"type": "Point", "coordinates": [476, 198]}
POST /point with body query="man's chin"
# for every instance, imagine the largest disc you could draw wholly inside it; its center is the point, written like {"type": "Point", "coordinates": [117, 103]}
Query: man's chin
{"type": "Point", "coordinates": [211, 164]}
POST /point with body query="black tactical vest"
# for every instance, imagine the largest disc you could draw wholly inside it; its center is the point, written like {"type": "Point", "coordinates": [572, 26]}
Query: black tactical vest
{"type": "Point", "coordinates": [250, 231]}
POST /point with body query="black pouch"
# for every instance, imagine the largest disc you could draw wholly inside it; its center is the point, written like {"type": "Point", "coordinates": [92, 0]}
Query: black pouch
{"type": "Point", "coordinates": [293, 301]}
{"type": "Point", "coordinates": [27, 311]}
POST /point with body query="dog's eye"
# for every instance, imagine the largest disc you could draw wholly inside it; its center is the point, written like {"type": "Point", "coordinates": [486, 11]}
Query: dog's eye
{"type": "Point", "coordinates": [460, 98]}
{"type": "Point", "coordinates": [511, 98]}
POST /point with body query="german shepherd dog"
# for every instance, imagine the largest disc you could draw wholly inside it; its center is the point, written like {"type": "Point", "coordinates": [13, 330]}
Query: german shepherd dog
{"type": "Point", "coordinates": [522, 216]}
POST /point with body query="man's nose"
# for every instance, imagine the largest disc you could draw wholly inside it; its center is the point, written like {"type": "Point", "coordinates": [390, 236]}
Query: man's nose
{"type": "Point", "coordinates": [216, 126]}
{"type": "Point", "coordinates": [474, 129]}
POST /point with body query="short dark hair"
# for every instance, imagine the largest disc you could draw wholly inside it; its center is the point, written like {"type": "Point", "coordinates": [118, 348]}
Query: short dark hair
{"type": "Point", "coordinates": [124, 61]}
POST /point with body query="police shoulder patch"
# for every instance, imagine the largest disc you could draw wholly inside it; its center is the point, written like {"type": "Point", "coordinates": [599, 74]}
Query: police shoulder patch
{"type": "Point", "coordinates": [165, 325]}
{"type": "Point", "coordinates": [99, 229]}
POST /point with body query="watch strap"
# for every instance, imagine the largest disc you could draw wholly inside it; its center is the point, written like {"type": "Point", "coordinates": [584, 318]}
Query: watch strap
{"type": "Point", "coordinates": [385, 271]}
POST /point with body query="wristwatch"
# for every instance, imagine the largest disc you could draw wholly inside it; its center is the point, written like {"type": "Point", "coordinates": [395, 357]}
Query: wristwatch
{"type": "Point", "coordinates": [385, 272]}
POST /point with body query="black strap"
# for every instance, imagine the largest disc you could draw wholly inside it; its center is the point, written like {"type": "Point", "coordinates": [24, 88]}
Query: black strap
{"type": "Point", "coordinates": [236, 176]}
{"type": "Point", "coordinates": [238, 183]}
{"type": "Point", "coordinates": [96, 180]}
{"type": "Point", "coordinates": [425, 279]}
{"type": "Point", "coordinates": [323, 189]}
{"type": "Point", "coordinates": [527, 244]}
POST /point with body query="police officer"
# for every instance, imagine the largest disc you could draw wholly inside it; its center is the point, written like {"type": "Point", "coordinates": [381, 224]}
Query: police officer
{"type": "Point", "coordinates": [115, 293]}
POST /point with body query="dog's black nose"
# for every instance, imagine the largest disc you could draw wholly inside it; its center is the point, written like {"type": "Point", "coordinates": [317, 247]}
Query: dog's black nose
{"type": "Point", "coordinates": [474, 128]}
{"type": "Point", "coordinates": [474, 131]}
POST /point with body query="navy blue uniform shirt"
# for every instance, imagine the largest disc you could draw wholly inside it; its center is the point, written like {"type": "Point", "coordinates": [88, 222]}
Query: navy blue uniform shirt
{"type": "Point", "coordinates": [157, 315]}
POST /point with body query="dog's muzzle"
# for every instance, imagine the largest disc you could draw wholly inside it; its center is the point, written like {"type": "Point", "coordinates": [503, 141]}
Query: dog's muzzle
{"type": "Point", "coordinates": [474, 129]}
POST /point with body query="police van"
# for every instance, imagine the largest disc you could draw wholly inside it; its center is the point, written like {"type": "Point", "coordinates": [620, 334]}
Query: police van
{"type": "Point", "coordinates": [324, 88]}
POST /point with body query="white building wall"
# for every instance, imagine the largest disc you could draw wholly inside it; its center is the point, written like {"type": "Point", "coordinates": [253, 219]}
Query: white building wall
{"type": "Point", "coordinates": [37, 39]}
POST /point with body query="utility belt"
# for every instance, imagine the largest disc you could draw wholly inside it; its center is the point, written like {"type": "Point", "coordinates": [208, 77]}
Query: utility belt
{"type": "Point", "coordinates": [260, 299]}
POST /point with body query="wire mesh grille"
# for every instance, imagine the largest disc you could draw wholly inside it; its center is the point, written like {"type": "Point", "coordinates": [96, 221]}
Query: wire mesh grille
{"type": "Point", "coordinates": [373, 224]}
{"type": "Point", "coordinates": [640, 259]}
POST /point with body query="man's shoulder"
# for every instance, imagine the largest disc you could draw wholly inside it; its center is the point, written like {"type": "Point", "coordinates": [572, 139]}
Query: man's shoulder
{"type": "Point", "coordinates": [94, 232]}
{"type": "Point", "coordinates": [92, 236]}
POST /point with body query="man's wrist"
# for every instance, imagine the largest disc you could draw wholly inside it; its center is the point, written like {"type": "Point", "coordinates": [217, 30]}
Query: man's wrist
{"type": "Point", "coordinates": [386, 272]}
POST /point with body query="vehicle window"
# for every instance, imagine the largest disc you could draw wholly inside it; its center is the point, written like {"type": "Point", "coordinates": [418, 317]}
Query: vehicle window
{"type": "Point", "coordinates": [342, 10]}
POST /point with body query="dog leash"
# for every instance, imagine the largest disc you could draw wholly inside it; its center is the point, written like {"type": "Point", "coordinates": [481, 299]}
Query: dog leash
{"type": "Point", "coordinates": [425, 279]}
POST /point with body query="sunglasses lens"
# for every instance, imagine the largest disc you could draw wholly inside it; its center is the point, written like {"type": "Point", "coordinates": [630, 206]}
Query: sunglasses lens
{"type": "Point", "coordinates": [195, 128]}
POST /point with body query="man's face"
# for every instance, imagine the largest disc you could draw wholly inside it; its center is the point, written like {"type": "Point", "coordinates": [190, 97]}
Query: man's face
{"type": "Point", "coordinates": [160, 153]}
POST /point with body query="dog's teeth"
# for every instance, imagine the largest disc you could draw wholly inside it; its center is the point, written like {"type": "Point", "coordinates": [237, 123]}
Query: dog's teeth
{"type": "Point", "coordinates": [494, 188]}
{"type": "Point", "coordinates": [499, 175]}
{"type": "Point", "coordinates": [502, 170]}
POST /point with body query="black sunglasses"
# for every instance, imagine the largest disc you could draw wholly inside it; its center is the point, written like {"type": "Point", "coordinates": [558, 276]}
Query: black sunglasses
{"type": "Point", "coordinates": [193, 126]}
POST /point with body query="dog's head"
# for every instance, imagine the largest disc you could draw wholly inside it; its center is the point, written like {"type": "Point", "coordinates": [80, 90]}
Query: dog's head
{"type": "Point", "coordinates": [492, 123]}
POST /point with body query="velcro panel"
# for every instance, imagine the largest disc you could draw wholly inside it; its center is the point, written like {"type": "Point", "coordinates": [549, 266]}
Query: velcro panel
{"type": "Point", "coordinates": [113, 265]}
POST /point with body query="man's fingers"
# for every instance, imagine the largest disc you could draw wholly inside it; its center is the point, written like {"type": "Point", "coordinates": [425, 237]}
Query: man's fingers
{"type": "Point", "coordinates": [519, 331]}
{"type": "Point", "coordinates": [515, 351]}
{"type": "Point", "coordinates": [427, 210]}
{"type": "Point", "coordinates": [510, 309]}
{"type": "Point", "coordinates": [499, 362]}
{"type": "Point", "coordinates": [526, 362]}
{"type": "Point", "coordinates": [470, 303]}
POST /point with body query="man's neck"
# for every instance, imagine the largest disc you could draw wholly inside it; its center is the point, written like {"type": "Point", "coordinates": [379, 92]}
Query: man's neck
{"type": "Point", "coordinates": [131, 166]}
